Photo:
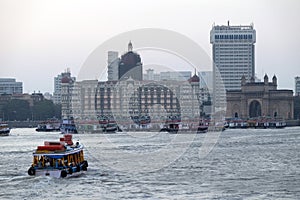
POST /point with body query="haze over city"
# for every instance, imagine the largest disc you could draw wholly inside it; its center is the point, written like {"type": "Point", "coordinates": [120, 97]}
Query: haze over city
{"type": "Point", "coordinates": [40, 39]}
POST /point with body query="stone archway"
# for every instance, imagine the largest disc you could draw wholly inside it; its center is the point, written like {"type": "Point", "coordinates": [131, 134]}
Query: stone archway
{"type": "Point", "coordinates": [275, 110]}
{"type": "Point", "coordinates": [236, 111]}
{"type": "Point", "coordinates": [254, 109]}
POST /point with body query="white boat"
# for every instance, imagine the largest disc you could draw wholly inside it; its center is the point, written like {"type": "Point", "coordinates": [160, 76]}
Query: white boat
{"type": "Point", "coordinates": [48, 126]}
{"type": "Point", "coordinates": [4, 130]}
{"type": "Point", "coordinates": [68, 126]}
{"type": "Point", "coordinates": [170, 127]}
{"type": "Point", "coordinates": [203, 126]}
{"type": "Point", "coordinates": [58, 159]}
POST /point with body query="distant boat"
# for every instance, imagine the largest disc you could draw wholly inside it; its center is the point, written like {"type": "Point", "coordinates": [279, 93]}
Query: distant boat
{"type": "Point", "coordinates": [203, 126]}
{"type": "Point", "coordinates": [4, 130]}
{"type": "Point", "coordinates": [111, 127]}
{"type": "Point", "coordinates": [108, 124]}
{"type": "Point", "coordinates": [257, 123]}
{"type": "Point", "coordinates": [68, 126]}
{"type": "Point", "coordinates": [48, 126]}
{"type": "Point", "coordinates": [277, 124]}
{"type": "Point", "coordinates": [170, 127]}
{"type": "Point", "coordinates": [237, 123]}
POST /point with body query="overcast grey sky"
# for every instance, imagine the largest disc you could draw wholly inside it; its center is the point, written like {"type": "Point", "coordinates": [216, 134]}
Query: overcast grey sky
{"type": "Point", "coordinates": [41, 38]}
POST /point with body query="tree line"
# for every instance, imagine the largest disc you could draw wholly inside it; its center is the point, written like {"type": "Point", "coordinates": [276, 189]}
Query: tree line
{"type": "Point", "coordinates": [20, 110]}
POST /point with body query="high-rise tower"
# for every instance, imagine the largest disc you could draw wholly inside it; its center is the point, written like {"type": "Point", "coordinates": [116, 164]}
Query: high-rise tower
{"type": "Point", "coordinates": [297, 86]}
{"type": "Point", "coordinates": [113, 66]}
{"type": "Point", "coordinates": [233, 53]}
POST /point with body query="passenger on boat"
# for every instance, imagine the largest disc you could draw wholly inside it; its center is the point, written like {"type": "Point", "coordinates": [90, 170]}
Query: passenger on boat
{"type": "Point", "coordinates": [47, 162]}
{"type": "Point", "coordinates": [41, 162]}
{"type": "Point", "coordinates": [51, 162]}
{"type": "Point", "coordinates": [60, 163]}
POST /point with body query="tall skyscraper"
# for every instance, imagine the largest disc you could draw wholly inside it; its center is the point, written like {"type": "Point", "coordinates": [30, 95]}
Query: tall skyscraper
{"type": "Point", "coordinates": [297, 86]}
{"type": "Point", "coordinates": [113, 66]}
{"type": "Point", "coordinates": [57, 89]}
{"type": "Point", "coordinates": [57, 85]}
{"type": "Point", "coordinates": [233, 53]}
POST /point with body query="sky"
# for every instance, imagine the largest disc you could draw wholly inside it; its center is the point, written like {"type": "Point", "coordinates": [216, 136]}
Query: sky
{"type": "Point", "coordinates": [39, 39]}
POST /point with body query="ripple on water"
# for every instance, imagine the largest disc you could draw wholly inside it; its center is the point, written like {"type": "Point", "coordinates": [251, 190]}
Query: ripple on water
{"type": "Point", "coordinates": [245, 164]}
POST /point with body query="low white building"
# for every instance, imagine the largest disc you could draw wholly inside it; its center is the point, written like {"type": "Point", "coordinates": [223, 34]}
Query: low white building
{"type": "Point", "coordinates": [10, 86]}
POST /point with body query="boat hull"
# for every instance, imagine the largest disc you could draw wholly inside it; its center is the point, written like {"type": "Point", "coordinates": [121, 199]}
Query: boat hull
{"type": "Point", "coordinates": [202, 129]}
{"type": "Point", "coordinates": [46, 130]}
{"type": "Point", "coordinates": [4, 130]}
{"type": "Point", "coordinates": [4, 133]}
{"type": "Point", "coordinates": [56, 173]}
{"type": "Point", "coordinates": [64, 172]}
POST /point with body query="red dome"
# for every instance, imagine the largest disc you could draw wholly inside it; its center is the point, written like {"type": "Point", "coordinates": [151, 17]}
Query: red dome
{"type": "Point", "coordinates": [194, 78]}
{"type": "Point", "coordinates": [130, 59]}
{"type": "Point", "coordinates": [65, 79]}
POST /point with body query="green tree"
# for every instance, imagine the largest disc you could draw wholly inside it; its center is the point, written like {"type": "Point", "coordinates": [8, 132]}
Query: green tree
{"type": "Point", "coordinates": [45, 109]}
{"type": "Point", "coordinates": [57, 108]}
{"type": "Point", "coordinates": [16, 109]}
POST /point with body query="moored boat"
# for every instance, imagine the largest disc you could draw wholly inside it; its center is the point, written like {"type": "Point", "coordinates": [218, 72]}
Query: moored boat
{"type": "Point", "coordinates": [237, 123]}
{"type": "Point", "coordinates": [68, 126]}
{"type": "Point", "coordinates": [110, 127]}
{"type": "Point", "coordinates": [48, 126]}
{"type": "Point", "coordinates": [277, 124]}
{"type": "Point", "coordinates": [58, 159]}
{"type": "Point", "coordinates": [171, 128]}
{"type": "Point", "coordinates": [203, 126]}
{"type": "Point", "coordinates": [4, 130]}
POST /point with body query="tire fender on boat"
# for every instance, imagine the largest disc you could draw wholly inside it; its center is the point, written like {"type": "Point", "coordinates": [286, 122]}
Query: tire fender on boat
{"type": "Point", "coordinates": [70, 170]}
{"type": "Point", "coordinates": [84, 168]}
{"type": "Point", "coordinates": [86, 163]}
{"type": "Point", "coordinates": [63, 173]}
{"type": "Point", "coordinates": [31, 171]}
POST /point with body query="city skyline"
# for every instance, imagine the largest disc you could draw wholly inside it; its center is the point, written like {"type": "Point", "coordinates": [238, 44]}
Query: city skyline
{"type": "Point", "coordinates": [41, 39]}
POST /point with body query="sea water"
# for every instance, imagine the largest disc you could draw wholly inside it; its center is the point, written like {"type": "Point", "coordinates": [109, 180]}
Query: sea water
{"type": "Point", "coordinates": [243, 164]}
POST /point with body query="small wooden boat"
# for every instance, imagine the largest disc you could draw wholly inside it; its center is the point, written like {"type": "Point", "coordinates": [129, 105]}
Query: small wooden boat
{"type": "Point", "coordinates": [58, 159]}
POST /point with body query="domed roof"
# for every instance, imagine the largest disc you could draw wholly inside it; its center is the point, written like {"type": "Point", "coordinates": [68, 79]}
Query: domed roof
{"type": "Point", "coordinates": [65, 79]}
{"type": "Point", "coordinates": [194, 78]}
{"type": "Point", "coordinates": [130, 58]}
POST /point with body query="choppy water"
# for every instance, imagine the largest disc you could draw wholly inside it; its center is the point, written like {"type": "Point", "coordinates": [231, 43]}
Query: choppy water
{"type": "Point", "coordinates": [244, 164]}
